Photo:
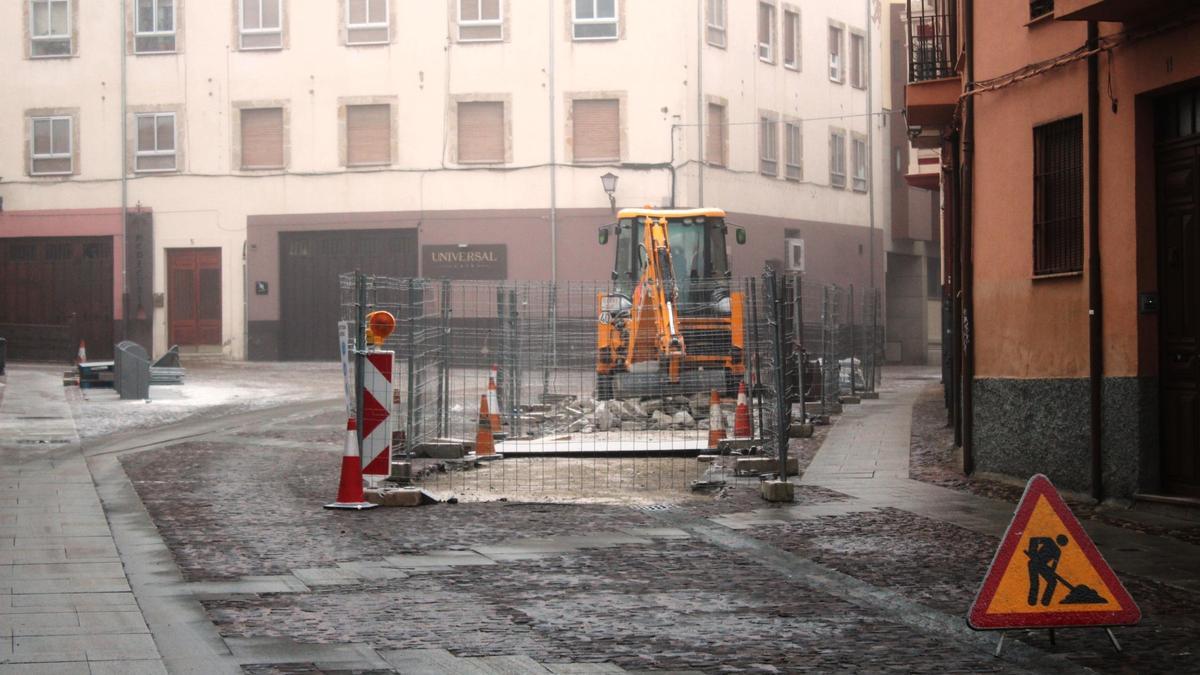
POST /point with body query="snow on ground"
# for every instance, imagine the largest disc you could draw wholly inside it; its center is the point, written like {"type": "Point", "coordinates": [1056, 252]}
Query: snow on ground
{"type": "Point", "coordinates": [220, 387]}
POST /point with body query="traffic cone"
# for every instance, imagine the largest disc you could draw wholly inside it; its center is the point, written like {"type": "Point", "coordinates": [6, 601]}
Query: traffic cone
{"type": "Point", "coordinates": [493, 404]}
{"type": "Point", "coordinates": [81, 355]}
{"type": "Point", "coordinates": [484, 445]}
{"type": "Point", "coordinates": [350, 488]}
{"type": "Point", "coordinates": [716, 424]}
{"type": "Point", "coordinates": [742, 427]}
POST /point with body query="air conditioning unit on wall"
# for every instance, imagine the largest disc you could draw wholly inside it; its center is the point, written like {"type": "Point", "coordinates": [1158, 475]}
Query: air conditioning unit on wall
{"type": "Point", "coordinates": [795, 255]}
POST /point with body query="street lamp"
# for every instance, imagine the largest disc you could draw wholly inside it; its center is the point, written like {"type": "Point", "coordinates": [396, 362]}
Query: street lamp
{"type": "Point", "coordinates": [609, 181]}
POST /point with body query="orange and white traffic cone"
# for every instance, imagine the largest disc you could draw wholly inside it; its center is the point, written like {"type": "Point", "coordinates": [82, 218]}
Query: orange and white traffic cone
{"type": "Point", "coordinates": [742, 428]}
{"type": "Point", "coordinates": [81, 355]}
{"type": "Point", "coordinates": [493, 404]}
{"type": "Point", "coordinates": [350, 488]}
{"type": "Point", "coordinates": [484, 444]}
{"type": "Point", "coordinates": [716, 422]}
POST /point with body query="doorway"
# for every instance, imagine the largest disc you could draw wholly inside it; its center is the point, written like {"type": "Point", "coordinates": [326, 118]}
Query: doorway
{"type": "Point", "coordinates": [1177, 157]}
{"type": "Point", "coordinates": [194, 296]}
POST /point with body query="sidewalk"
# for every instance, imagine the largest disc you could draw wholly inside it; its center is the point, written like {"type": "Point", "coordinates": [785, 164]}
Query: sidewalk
{"type": "Point", "coordinates": [65, 601]}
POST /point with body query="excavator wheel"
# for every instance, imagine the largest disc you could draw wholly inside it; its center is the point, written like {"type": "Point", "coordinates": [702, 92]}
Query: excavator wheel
{"type": "Point", "coordinates": [604, 387]}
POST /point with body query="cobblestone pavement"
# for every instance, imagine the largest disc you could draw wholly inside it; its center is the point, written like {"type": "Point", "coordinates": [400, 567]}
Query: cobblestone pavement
{"type": "Point", "coordinates": [245, 504]}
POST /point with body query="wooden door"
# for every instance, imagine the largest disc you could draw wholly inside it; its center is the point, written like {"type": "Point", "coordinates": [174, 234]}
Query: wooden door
{"type": "Point", "coordinates": [1178, 207]}
{"type": "Point", "coordinates": [194, 296]}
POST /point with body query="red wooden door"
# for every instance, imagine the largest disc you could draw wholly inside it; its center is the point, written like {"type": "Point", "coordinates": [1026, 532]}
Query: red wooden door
{"type": "Point", "coordinates": [194, 296]}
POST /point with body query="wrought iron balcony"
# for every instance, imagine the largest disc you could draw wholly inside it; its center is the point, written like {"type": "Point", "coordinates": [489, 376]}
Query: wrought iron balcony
{"type": "Point", "coordinates": [932, 39]}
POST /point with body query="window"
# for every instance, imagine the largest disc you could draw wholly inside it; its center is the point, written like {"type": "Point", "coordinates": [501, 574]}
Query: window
{"type": "Point", "coordinates": [1039, 8]}
{"type": "Point", "coordinates": [766, 32]}
{"type": "Point", "coordinates": [791, 39]}
{"type": "Point", "coordinates": [714, 151]}
{"type": "Point", "coordinates": [155, 142]}
{"type": "Point", "coordinates": [368, 134]}
{"type": "Point", "coordinates": [366, 22]}
{"type": "Point", "coordinates": [716, 23]}
{"type": "Point", "coordinates": [50, 146]}
{"type": "Point", "coordinates": [155, 26]}
{"type": "Point", "coordinates": [835, 54]}
{"type": "Point", "coordinates": [858, 74]}
{"type": "Point", "coordinates": [795, 151]}
{"type": "Point", "coordinates": [595, 19]}
{"type": "Point", "coordinates": [858, 153]}
{"type": "Point", "coordinates": [768, 139]}
{"type": "Point", "coordinates": [481, 131]}
{"type": "Point", "coordinates": [261, 24]}
{"type": "Point", "coordinates": [596, 129]}
{"type": "Point", "coordinates": [262, 138]}
{"type": "Point", "coordinates": [837, 158]}
{"type": "Point", "coordinates": [1058, 197]}
{"type": "Point", "coordinates": [480, 21]}
{"type": "Point", "coordinates": [795, 254]}
{"type": "Point", "coordinates": [50, 27]}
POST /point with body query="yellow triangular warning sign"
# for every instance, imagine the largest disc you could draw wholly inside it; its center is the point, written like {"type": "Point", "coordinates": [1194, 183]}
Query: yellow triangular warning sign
{"type": "Point", "coordinates": [1047, 572]}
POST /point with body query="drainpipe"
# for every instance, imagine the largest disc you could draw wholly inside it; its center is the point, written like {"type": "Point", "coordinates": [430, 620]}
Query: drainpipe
{"type": "Point", "coordinates": [1095, 299]}
{"type": "Point", "coordinates": [870, 160]}
{"type": "Point", "coordinates": [125, 195]}
{"type": "Point", "coordinates": [553, 158]}
{"type": "Point", "coordinates": [966, 245]}
{"type": "Point", "coordinates": [700, 30]}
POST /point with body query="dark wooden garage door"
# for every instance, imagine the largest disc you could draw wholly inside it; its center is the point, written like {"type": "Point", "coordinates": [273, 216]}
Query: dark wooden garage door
{"type": "Point", "coordinates": [310, 299]}
{"type": "Point", "coordinates": [54, 292]}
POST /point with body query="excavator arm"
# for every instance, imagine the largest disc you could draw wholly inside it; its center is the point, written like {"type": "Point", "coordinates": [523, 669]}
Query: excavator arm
{"type": "Point", "coordinates": [654, 322]}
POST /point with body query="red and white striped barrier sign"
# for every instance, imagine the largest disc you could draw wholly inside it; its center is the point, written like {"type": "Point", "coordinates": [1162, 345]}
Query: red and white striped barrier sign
{"type": "Point", "coordinates": [377, 414]}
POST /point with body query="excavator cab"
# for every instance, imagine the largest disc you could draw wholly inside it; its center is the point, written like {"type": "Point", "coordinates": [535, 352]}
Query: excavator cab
{"type": "Point", "coordinates": [671, 323]}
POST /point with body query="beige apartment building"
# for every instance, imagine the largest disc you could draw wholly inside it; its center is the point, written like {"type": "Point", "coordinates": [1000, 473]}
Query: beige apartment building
{"type": "Point", "coordinates": [197, 173]}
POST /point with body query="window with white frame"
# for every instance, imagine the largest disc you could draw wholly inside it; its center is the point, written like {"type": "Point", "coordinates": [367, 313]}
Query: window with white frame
{"type": "Point", "coordinates": [594, 19]}
{"type": "Point", "coordinates": [836, 70]}
{"type": "Point", "coordinates": [795, 151]}
{"type": "Point", "coordinates": [367, 22]}
{"type": "Point", "coordinates": [715, 23]}
{"type": "Point", "coordinates": [50, 146]}
{"type": "Point", "coordinates": [858, 154]}
{"type": "Point", "coordinates": [480, 21]}
{"type": "Point", "coordinates": [766, 31]}
{"type": "Point", "coordinates": [50, 27]}
{"type": "Point", "coordinates": [261, 24]}
{"type": "Point", "coordinates": [791, 39]}
{"type": "Point", "coordinates": [858, 63]}
{"type": "Point", "coordinates": [154, 26]}
{"type": "Point", "coordinates": [837, 158]}
{"type": "Point", "coordinates": [155, 138]}
{"type": "Point", "coordinates": [768, 154]}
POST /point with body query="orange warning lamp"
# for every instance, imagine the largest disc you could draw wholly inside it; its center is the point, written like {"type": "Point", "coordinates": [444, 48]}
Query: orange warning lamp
{"type": "Point", "coordinates": [380, 325]}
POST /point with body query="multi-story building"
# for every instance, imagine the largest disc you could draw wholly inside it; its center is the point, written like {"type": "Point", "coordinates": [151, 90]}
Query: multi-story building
{"type": "Point", "coordinates": [1070, 136]}
{"type": "Point", "coordinates": [259, 147]}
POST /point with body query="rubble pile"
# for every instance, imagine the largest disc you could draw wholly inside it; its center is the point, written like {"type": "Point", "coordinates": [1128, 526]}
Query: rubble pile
{"type": "Point", "coordinates": [583, 414]}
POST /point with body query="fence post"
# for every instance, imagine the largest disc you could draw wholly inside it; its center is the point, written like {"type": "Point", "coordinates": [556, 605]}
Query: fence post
{"type": "Point", "coordinates": [501, 346]}
{"type": "Point", "coordinates": [774, 305]}
{"type": "Point", "coordinates": [360, 340]}
{"type": "Point", "coordinates": [801, 353]}
{"type": "Point", "coordinates": [444, 363]}
{"type": "Point", "coordinates": [410, 426]}
{"type": "Point", "coordinates": [514, 380]}
{"type": "Point", "coordinates": [852, 346]}
{"type": "Point", "coordinates": [879, 344]}
{"type": "Point", "coordinates": [826, 338]}
{"type": "Point", "coordinates": [756, 357]}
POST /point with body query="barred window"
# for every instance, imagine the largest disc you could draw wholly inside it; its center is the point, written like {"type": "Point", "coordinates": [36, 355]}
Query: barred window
{"type": "Point", "coordinates": [1040, 8]}
{"type": "Point", "coordinates": [1058, 197]}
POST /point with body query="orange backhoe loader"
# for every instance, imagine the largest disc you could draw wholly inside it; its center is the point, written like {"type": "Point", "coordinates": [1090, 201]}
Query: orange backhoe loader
{"type": "Point", "coordinates": [672, 323]}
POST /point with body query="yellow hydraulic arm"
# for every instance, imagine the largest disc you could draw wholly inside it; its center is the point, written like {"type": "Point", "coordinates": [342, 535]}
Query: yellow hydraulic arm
{"type": "Point", "coordinates": [654, 325]}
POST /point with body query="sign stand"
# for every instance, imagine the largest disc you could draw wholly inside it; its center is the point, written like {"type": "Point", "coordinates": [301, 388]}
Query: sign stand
{"type": "Point", "coordinates": [1047, 573]}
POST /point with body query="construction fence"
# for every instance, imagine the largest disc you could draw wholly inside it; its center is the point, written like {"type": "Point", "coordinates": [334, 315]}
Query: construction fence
{"type": "Point", "coordinates": [590, 397]}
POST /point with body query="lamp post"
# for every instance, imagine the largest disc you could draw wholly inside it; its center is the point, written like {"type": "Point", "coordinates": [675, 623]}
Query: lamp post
{"type": "Point", "coordinates": [609, 181]}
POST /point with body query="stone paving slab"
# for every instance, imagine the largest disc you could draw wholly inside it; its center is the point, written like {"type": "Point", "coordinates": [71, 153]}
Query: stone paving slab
{"type": "Point", "coordinates": [439, 559]}
{"type": "Point", "coordinates": [66, 602]}
{"type": "Point", "coordinates": [374, 571]}
{"type": "Point", "coordinates": [508, 665]}
{"type": "Point", "coordinates": [265, 584]}
{"type": "Point", "coordinates": [282, 650]}
{"type": "Point", "coordinates": [35, 649]}
{"type": "Point", "coordinates": [327, 576]}
{"type": "Point", "coordinates": [584, 668]}
{"type": "Point", "coordinates": [430, 662]}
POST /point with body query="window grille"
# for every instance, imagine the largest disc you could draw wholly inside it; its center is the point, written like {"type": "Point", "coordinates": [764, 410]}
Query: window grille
{"type": "Point", "coordinates": [1058, 197]}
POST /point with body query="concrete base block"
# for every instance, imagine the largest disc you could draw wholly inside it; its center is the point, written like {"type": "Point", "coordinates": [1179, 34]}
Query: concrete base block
{"type": "Point", "coordinates": [759, 465]}
{"type": "Point", "coordinates": [818, 420]}
{"type": "Point", "coordinates": [798, 430]}
{"type": "Point", "coordinates": [706, 459]}
{"type": "Point", "coordinates": [778, 491]}
{"type": "Point", "coordinates": [725, 445]}
{"type": "Point", "coordinates": [442, 449]}
{"type": "Point", "coordinates": [835, 408]}
{"type": "Point", "coordinates": [401, 473]}
{"type": "Point", "coordinates": [869, 395]}
{"type": "Point", "coordinates": [398, 497]}
{"type": "Point", "coordinates": [849, 400]}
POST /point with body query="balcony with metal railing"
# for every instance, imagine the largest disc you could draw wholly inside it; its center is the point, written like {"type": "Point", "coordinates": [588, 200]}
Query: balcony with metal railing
{"type": "Point", "coordinates": [933, 81]}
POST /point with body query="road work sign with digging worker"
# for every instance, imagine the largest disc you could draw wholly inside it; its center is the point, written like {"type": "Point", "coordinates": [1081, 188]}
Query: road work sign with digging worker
{"type": "Point", "coordinates": [1047, 572]}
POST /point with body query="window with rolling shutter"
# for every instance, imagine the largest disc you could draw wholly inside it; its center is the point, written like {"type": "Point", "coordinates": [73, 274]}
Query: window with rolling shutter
{"type": "Point", "coordinates": [368, 134]}
{"type": "Point", "coordinates": [481, 131]}
{"type": "Point", "coordinates": [714, 153]}
{"type": "Point", "coordinates": [262, 138]}
{"type": "Point", "coordinates": [1058, 197]}
{"type": "Point", "coordinates": [596, 129]}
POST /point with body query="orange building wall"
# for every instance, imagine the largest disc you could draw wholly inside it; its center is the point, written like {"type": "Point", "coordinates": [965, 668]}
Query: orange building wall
{"type": "Point", "coordinates": [1026, 328]}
